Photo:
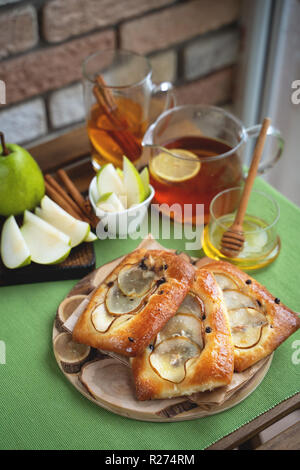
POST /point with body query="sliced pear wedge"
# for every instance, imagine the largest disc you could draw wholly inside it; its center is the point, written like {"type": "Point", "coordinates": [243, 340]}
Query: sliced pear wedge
{"type": "Point", "coordinates": [120, 173]}
{"type": "Point", "coordinates": [133, 184]}
{"type": "Point", "coordinates": [108, 180]}
{"type": "Point", "coordinates": [146, 181]}
{"type": "Point", "coordinates": [225, 282]}
{"type": "Point", "coordinates": [55, 215]}
{"type": "Point", "coordinates": [169, 358]}
{"type": "Point", "coordinates": [117, 303]}
{"type": "Point", "coordinates": [182, 325]}
{"type": "Point", "coordinates": [101, 318]}
{"type": "Point", "coordinates": [109, 202]}
{"type": "Point", "coordinates": [246, 325]}
{"type": "Point", "coordinates": [46, 244]}
{"type": "Point", "coordinates": [134, 281]}
{"type": "Point", "coordinates": [71, 355]}
{"type": "Point", "coordinates": [190, 305]}
{"type": "Point", "coordinates": [14, 250]}
{"type": "Point", "coordinates": [91, 237]}
{"type": "Point", "coordinates": [235, 299]}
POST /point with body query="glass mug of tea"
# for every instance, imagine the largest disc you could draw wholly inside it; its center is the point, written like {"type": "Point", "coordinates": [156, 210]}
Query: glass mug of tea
{"type": "Point", "coordinates": [118, 91]}
{"type": "Point", "coordinates": [196, 152]}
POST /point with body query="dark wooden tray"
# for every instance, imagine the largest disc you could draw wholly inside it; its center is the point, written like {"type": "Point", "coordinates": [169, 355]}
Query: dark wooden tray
{"type": "Point", "coordinates": [79, 263]}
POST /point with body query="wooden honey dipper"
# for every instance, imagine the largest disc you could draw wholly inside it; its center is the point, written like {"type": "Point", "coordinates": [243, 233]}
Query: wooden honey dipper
{"type": "Point", "coordinates": [233, 239]}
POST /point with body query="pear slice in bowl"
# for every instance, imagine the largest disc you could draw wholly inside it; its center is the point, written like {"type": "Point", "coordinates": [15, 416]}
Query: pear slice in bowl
{"type": "Point", "coordinates": [14, 250]}
{"type": "Point", "coordinates": [110, 202]}
{"type": "Point", "coordinates": [133, 184]}
{"type": "Point", "coordinates": [108, 180]}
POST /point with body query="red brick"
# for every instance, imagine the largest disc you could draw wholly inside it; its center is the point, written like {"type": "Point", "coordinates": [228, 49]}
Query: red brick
{"type": "Point", "coordinates": [63, 19]}
{"type": "Point", "coordinates": [18, 30]}
{"type": "Point", "coordinates": [176, 24]}
{"type": "Point", "coordinates": [214, 89]}
{"type": "Point", "coordinates": [50, 68]}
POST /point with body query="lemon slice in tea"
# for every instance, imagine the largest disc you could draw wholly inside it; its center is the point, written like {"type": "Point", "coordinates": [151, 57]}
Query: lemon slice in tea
{"type": "Point", "coordinates": [173, 169]}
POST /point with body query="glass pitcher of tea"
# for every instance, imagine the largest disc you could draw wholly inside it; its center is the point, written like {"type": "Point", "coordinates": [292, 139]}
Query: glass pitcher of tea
{"type": "Point", "coordinates": [196, 152]}
{"type": "Point", "coordinates": [118, 92]}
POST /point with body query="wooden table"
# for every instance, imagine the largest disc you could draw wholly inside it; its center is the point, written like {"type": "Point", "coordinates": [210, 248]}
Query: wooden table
{"type": "Point", "coordinates": [71, 151]}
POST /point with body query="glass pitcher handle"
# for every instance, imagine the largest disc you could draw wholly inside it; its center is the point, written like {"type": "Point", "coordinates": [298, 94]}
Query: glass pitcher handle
{"type": "Point", "coordinates": [253, 132]}
{"type": "Point", "coordinates": [167, 89]}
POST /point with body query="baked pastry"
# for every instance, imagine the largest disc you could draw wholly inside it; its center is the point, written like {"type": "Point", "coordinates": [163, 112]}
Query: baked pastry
{"type": "Point", "coordinates": [259, 322]}
{"type": "Point", "coordinates": [194, 350]}
{"type": "Point", "coordinates": [134, 302]}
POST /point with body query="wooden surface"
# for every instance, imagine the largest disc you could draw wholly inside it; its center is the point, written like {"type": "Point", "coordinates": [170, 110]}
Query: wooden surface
{"type": "Point", "coordinates": [79, 263]}
{"type": "Point", "coordinates": [107, 382]}
{"type": "Point", "coordinates": [71, 151]}
{"type": "Point", "coordinates": [62, 151]}
{"type": "Point", "coordinates": [289, 439]}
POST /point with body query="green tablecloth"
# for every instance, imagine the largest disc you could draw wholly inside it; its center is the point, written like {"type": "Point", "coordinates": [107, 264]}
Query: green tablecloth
{"type": "Point", "coordinates": [40, 409]}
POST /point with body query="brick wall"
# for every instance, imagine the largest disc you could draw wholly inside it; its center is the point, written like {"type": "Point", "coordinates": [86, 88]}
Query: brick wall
{"type": "Point", "coordinates": [193, 43]}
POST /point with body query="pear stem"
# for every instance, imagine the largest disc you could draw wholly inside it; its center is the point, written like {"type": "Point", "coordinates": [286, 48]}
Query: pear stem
{"type": "Point", "coordinates": [5, 150]}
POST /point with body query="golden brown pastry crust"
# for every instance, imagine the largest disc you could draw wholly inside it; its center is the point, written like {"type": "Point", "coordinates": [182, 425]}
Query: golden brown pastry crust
{"type": "Point", "coordinates": [212, 368]}
{"type": "Point", "coordinates": [282, 321]}
{"type": "Point", "coordinates": [132, 337]}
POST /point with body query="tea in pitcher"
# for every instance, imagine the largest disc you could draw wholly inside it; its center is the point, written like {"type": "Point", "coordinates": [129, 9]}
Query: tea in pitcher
{"type": "Point", "coordinates": [192, 170]}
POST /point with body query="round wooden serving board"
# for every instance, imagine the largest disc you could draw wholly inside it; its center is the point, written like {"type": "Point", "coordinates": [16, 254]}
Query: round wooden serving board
{"type": "Point", "coordinates": [107, 381]}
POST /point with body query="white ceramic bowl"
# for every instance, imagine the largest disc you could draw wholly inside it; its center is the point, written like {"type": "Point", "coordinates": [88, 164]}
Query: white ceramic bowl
{"type": "Point", "coordinates": [119, 223]}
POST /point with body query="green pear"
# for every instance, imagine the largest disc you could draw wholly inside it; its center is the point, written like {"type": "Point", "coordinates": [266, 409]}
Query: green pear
{"type": "Point", "coordinates": [21, 180]}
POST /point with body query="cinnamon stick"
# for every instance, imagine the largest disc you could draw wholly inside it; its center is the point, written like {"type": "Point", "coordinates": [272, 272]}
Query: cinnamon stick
{"type": "Point", "coordinates": [72, 190]}
{"type": "Point", "coordinates": [84, 205]}
{"type": "Point", "coordinates": [59, 190]}
{"type": "Point", "coordinates": [60, 200]}
{"type": "Point", "coordinates": [107, 96]}
{"type": "Point", "coordinates": [125, 140]}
